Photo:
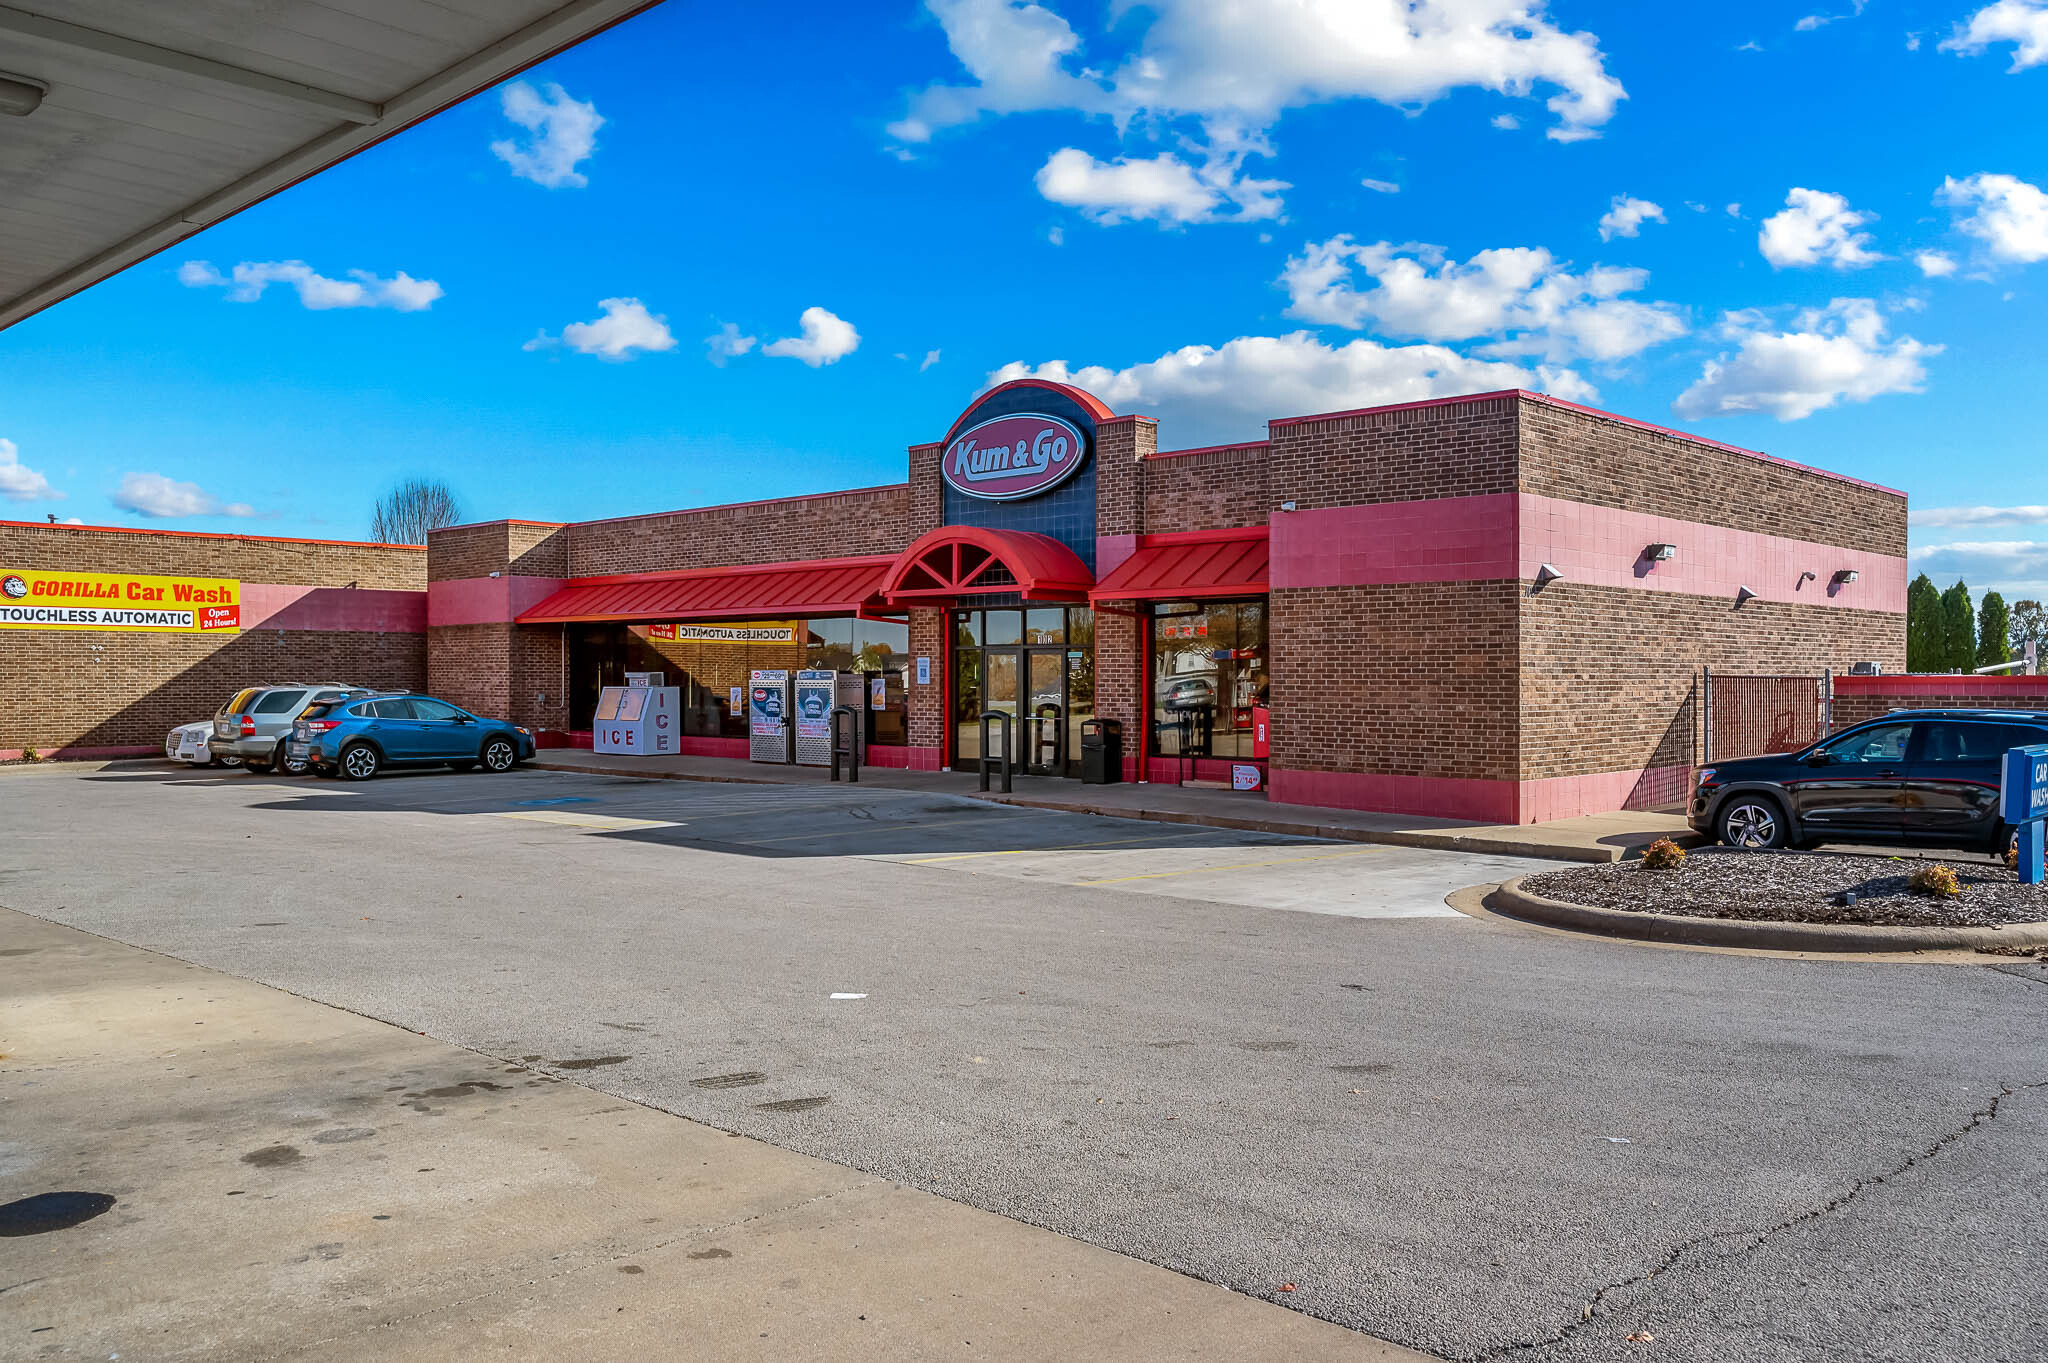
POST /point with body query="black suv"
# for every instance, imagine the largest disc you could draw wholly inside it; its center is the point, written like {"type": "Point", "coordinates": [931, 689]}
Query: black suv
{"type": "Point", "coordinates": [1925, 777]}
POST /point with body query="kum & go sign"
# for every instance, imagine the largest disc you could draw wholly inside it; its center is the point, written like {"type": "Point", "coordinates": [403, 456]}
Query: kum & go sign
{"type": "Point", "coordinates": [40, 599]}
{"type": "Point", "coordinates": [1007, 458]}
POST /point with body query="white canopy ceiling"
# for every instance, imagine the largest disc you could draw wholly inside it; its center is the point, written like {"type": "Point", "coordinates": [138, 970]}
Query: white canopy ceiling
{"type": "Point", "coordinates": [158, 118]}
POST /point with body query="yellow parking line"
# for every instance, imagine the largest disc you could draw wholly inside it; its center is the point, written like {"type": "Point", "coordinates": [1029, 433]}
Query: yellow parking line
{"type": "Point", "coordinates": [1240, 866]}
{"type": "Point", "coordinates": [1063, 847]}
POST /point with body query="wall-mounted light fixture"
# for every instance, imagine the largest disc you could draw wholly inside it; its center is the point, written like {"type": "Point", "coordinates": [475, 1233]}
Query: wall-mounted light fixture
{"type": "Point", "coordinates": [1808, 576]}
{"type": "Point", "coordinates": [1846, 576]}
{"type": "Point", "coordinates": [1743, 595]}
{"type": "Point", "coordinates": [20, 95]}
{"type": "Point", "coordinates": [494, 574]}
{"type": "Point", "coordinates": [1660, 553]}
{"type": "Point", "coordinates": [1287, 506]}
{"type": "Point", "coordinates": [1547, 574]}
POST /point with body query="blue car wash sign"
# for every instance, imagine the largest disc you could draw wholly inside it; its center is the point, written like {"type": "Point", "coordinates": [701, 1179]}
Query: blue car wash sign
{"type": "Point", "coordinates": [2023, 803]}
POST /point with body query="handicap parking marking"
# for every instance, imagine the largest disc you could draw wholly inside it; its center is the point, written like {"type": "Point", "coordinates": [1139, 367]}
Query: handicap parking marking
{"type": "Point", "coordinates": [563, 800]}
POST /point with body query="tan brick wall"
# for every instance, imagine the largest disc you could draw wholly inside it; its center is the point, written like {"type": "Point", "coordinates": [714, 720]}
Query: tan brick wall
{"type": "Point", "coordinates": [1586, 458]}
{"type": "Point", "coordinates": [111, 689]}
{"type": "Point", "coordinates": [1455, 450]}
{"type": "Point", "coordinates": [1119, 444]}
{"type": "Point", "coordinates": [119, 689]}
{"type": "Point", "coordinates": [1407, 680]}
{"type": "Point", "coordinates": [1209, 490]}
{"type": "Point", "coordinates": [463, 551]}
{"type": "Point", "coordinates": [1854, 709]}
{"type": "Point", "coordinates": [312, 563]}
{"type": "Point", "coordinates": [927, 499]}
{"type": "Point", "coordinates": [472, 666]}
{"type": "Point", "coordinates": [1610, 676]}
{"type": "Point", "coordinates": [838, 525]}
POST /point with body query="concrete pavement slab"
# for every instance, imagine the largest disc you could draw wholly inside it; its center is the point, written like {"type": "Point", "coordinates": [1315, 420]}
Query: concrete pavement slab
{"type": "Point", "coordinates": [294, 1181]}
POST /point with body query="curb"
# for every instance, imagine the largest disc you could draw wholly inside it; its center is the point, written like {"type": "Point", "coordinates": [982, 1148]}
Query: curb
{"type": "Point", "coordinates": [1514, 901]}
{"type": "Point", "coordinates": [1438, 842]}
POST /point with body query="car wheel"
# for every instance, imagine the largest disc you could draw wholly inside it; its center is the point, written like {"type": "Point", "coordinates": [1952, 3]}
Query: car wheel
{"type": "Point", "coordinates": [225, 762]}
{"type": "Point", "coordinates": [287, 765]}
{"type": "Point", "coordinates": [1754, 822]}
{"type": "Point", "coordinates": [499, 755]}
{"type": "Point", "coordinates": [360, 762]}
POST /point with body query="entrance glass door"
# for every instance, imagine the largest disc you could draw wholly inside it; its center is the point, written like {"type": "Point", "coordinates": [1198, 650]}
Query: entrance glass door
{"type": "Point", "coordinates": [1045, 728]}
{"type": "Point", "coordinates": [1035, 664]}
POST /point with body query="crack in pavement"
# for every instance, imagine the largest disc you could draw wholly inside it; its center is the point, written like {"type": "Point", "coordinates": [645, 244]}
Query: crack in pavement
{"type": "Point", "coordinates": [1591, 1310]}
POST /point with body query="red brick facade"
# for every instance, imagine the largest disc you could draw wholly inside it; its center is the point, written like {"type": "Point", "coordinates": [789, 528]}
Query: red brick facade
{"type": "Point", "coordinates": [1415, 661]}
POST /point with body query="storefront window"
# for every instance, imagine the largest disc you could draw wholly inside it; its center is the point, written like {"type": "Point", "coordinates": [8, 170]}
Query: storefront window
{"type": "Point", "coordinates": [1002, 627]}
{"type": "Point", "coordinates": [1045, 625]}
{"type": "Point", "coordinates": [1209, 664]}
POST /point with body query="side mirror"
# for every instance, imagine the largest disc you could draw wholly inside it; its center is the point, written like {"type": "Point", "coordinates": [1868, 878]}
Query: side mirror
{"type": "Point", "coordinates": [465, 719]}
{"type": "Point", "coordinates": [1819, 759]}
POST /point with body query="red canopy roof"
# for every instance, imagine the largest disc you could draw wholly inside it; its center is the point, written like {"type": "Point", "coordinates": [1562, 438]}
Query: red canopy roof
{"type": "Point", "coordinates": [840, 586]}
{"type": "Point", "coordinates": [1204, 563]}
{"type": "Point", "coordinates": [969, 560]}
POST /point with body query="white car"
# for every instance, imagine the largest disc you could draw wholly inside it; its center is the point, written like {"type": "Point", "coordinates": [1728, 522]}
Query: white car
{"type": "Point", "coordinates": [188, 743]}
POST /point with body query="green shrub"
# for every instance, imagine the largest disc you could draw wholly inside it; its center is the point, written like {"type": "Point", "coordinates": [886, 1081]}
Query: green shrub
{"type": "Point", "coordinates": [1663, 855]}
{"type": "Point", "coordinates": [1938, 881]}
{"type": "Point", "coordinates": [31, 755]}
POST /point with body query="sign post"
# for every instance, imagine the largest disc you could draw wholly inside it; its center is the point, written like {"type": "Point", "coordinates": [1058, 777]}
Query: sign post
{"type": "Point", "coordinates": [2023, 803]}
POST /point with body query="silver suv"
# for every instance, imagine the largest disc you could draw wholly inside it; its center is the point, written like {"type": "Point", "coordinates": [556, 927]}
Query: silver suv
{"type": "Point", "coordinates": [253, 725]}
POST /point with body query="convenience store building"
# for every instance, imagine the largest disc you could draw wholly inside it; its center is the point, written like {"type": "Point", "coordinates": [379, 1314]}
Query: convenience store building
{"type": "Point", "coordinates": [1492, 607]}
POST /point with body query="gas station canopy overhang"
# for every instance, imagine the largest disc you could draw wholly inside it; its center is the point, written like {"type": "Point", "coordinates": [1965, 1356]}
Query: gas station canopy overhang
{"type": "Point", "coordinates": [1200, 565]}
{"type": "Point", "coordinates": [968, 560]}
{"type": "Point", "coordinates": [127, 127]}
{"type": "Point", "coordinates": [840, 586]}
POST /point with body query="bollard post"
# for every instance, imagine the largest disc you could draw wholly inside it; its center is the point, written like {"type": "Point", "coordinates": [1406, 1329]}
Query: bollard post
{"type": "Point", "coordinates": [1003, 756]}
{"type": "Point", "coordinates": [851, 749]}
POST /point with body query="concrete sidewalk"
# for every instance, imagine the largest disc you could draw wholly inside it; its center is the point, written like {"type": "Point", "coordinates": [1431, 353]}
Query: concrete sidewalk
{"type": "Point", "coordinates": [296, 1181]}
{"type": "Point", "coordinates": [1594, 838]}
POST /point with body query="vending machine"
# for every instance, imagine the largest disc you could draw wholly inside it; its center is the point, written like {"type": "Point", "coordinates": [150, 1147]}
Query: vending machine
{"type": "Point", "coordinates": [817, 691]}
{"type": "Point", "coordinates": [640, 720]}
{"type": "Point", "coordinates": [769, 704]}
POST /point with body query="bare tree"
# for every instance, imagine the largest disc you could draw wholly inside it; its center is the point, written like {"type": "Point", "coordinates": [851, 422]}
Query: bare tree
{"type": "Point", "coordinates": [405, 514]}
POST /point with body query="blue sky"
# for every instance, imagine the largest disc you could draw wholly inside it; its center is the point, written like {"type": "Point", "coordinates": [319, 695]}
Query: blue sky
{"type": "Point", "coordinates": [1819, 233]}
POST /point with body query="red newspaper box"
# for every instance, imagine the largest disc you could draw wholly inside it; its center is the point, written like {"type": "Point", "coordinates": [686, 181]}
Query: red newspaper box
{"type": "Point", "coordinates": [1262, 730]}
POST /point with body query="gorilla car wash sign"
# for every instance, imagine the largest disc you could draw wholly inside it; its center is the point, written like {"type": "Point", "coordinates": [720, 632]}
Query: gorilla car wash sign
{"type": "Point", "coordinates": [1007, 458]}
{"type": "Point", "coordinates": [40, 599]}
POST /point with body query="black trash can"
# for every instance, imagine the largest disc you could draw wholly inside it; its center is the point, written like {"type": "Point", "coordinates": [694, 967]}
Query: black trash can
{"type": "Point", "coordinates": [1102, 752]}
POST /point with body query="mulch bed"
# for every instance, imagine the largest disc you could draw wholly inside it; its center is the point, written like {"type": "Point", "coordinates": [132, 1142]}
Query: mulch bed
{"type": "Point", "coordinates": [1798, 887]}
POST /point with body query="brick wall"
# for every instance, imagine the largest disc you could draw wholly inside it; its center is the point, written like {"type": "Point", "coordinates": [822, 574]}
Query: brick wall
{"type": "Point", "coordinates": [114, 689]}
{"type": "Point", "coordinates": [1413, 679]}
{"type": "Point", "coordinates": [835, 525]}
{"type": "Point", "coordinates": [1860, 698]}
{"type": "Point", "coordinates": [1611, 676]}
{"type": "Point", "coordinates": [461, 551]}
{"type": "Point", "coordinates": [1584, 457]}
{"type": "Point", "coordinates": [925, 705]}
{"type": "Point", "coordinates": [471, 665]}
{"type": "Point", "coordinates": [927, 498]}
{"type": "Point", "coordinates": [1221, 489]}
{"type": "Point", "coordinates": [1120, 443]}
{"type": "Point", "coordinates": [1449, 450]}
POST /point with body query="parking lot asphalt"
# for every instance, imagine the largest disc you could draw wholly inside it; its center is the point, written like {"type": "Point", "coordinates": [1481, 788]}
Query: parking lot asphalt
{"type": "Point", "coordinates": [1457, 1134]}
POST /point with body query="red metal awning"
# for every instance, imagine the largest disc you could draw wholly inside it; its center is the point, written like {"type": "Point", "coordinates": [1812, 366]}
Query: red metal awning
{"type": "Point", "coordinates": [968, 560]}
{"type": "Point", "coordinates": [1199, 565]}
{"type": "Point", "coordinates": [840, 586]}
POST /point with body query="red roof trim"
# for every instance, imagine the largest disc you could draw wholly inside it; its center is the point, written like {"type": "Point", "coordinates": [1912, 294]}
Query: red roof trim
{"type": "Point", "coordinates": [1564, 405]}
{"type": "Point", "coordinates": [1192, 565]}
{"type": "Point", "coordinates": [209, 535]}
{"type": "Point", "coordinates": [1045, 569]}
{"type": "Point", "coordinates": [1089, 403]}
{"type": "Point", "coordinates": [756, 592]}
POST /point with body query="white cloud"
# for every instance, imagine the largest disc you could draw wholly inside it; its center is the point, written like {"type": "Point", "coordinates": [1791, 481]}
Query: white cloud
{"type": "Point", "coordinates": [1814, 21]}
{"type": "Point", "coordinates": [563, 132]}
{"type": "Point", "coordinates": [1912, 42]}
{"type": "Point", "coordinates": [19, 482]}
{"type": "Point", "coordinates": [1835, 353]}
{"type": "Point", "coordinates": [2013, 567]}
{"type": "Point", "coordinates": [1734, 210]}
{"type": "Point", "coordinates": [1206, 393]}
{"type": "Point", "coordinates": [825, 339]}
{"type": "Point", "coordinates": [1056, 235]}
{"type": "Point", "coordinates": [2004, 212]}
{"type": "Point", "coordinates": [1951, 516]}
{"type": "Point", "coordinates": [1243, 64]}
{"type": "Point", "coordinates": [1816, 228]}
{"type": "Point", "coordinates": [2023, 23]}
{"type": "Point", "coordinates": [1625, 217]}
{"type": "Point", "coordinates": [1751, 46]}
{"type": "Point", "coordinates": [931, 357]}
{"type": "Point", "coordinates": [247, 281]}
{"type": "Point", "coordinates": [727, 344]}
{"type": "Point", "coordinates": [1519, 294]}
{"type": "Point", "coordinates": [153, 494]}
{"type": "Point", "coordinates": [1507, 123]}
{"type": "Point", "coordinates": [72, 520]}
{"type": "Point", "coordinates": [1163, 188]}
{"type": "Point", "coordinates": [1381, 186]}
{"type": "Point", "coordinates": [1935, 264]}
{"type": "Point", "coordinates": [625, 330]}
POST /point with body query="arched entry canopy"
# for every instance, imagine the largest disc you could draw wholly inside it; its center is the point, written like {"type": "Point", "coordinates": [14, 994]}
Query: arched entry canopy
{"type": "Point", "coordinates": [971, 560]}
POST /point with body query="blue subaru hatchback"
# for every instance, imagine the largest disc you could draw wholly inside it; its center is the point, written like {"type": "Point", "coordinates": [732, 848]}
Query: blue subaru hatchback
{"type": "Point", "coordinates": [360, 737]}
